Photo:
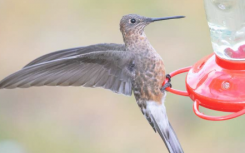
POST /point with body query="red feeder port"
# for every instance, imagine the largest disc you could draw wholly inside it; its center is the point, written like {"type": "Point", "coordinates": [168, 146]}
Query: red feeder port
{"type": "Point", "coordinates": [216, 84]}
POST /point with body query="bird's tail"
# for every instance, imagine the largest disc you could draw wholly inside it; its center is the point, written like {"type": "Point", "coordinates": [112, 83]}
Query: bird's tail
{"type": "Point", "coordinates": [159, 120]}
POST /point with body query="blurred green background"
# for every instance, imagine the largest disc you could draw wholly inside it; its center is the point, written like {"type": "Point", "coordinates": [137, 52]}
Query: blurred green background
{"type": "Point", "coordinates": [77, 119]}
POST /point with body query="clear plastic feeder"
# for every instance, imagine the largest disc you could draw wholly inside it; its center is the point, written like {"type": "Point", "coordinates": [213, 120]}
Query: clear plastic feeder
{"type": "Point", "coordinates": [226, 20]}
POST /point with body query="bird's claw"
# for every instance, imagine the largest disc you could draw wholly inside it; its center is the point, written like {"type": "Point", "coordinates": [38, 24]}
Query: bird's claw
{"type": "Point", "coordinates": [169, 77]}
{"type": "Point", "coordinates": [167, 84]}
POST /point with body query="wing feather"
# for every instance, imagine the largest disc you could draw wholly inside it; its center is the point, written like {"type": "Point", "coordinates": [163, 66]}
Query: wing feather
{"type": "Point", "coordinates": [77, 51]}
{"type": "Point", "coordinates": [107, 69]}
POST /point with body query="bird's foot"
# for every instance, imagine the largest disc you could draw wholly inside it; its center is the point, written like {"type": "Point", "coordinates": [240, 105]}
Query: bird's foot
{"type": "Point", "coordinates": [169, 77]}
{"type": "Point", "coordinates": [168, 84]}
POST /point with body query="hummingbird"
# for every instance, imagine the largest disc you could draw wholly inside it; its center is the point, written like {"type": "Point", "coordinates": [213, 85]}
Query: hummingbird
{"type": "Point", "coordinates": [133, 67]}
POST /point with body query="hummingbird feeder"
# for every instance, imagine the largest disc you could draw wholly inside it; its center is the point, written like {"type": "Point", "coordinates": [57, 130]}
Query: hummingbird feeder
{"type": "Point", "coordinates": [217, 81]}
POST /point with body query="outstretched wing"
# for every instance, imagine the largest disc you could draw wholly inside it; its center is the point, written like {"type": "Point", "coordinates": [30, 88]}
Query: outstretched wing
{"type": "Point", "coordinates": [77, 51]}
{"type": "Point", "coordinates": [108, 69]}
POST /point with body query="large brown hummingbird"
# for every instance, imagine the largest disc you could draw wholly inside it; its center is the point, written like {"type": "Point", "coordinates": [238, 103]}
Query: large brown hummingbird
{"type": "Point", "coordinates": [123, 68]}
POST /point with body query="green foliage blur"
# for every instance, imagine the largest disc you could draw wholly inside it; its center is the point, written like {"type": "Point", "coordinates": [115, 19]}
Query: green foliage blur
{"type": "Point", "coordinates": [86, 120]}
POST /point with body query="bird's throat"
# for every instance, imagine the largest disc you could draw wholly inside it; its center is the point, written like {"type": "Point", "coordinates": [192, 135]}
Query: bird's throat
{"type": "Point", "coordinates": [136, 42]}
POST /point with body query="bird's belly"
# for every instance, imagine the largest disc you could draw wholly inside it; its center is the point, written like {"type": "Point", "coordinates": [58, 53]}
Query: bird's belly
{"type": "Point", "coordinates": [148, 82]}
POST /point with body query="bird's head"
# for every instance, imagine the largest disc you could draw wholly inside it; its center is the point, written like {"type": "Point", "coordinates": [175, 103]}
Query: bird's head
{"type": "Point", "coordinates": [135, 24]}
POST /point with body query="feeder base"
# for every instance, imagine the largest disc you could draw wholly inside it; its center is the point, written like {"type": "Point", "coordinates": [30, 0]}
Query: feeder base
{"type": "Point", "coordinates": [217, 85]}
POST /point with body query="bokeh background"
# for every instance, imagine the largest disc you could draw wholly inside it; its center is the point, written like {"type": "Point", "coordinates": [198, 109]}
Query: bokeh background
{"type": "Point", "coordinates": [77, 119]}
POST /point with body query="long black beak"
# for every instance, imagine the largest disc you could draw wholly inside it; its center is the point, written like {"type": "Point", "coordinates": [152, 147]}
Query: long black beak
{"type": "Point", "coordinates": [166, 18]}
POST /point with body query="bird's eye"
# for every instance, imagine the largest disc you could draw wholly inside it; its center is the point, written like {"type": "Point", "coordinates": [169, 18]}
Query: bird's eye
{"type": "Point", "coordinates": [132, 20]}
